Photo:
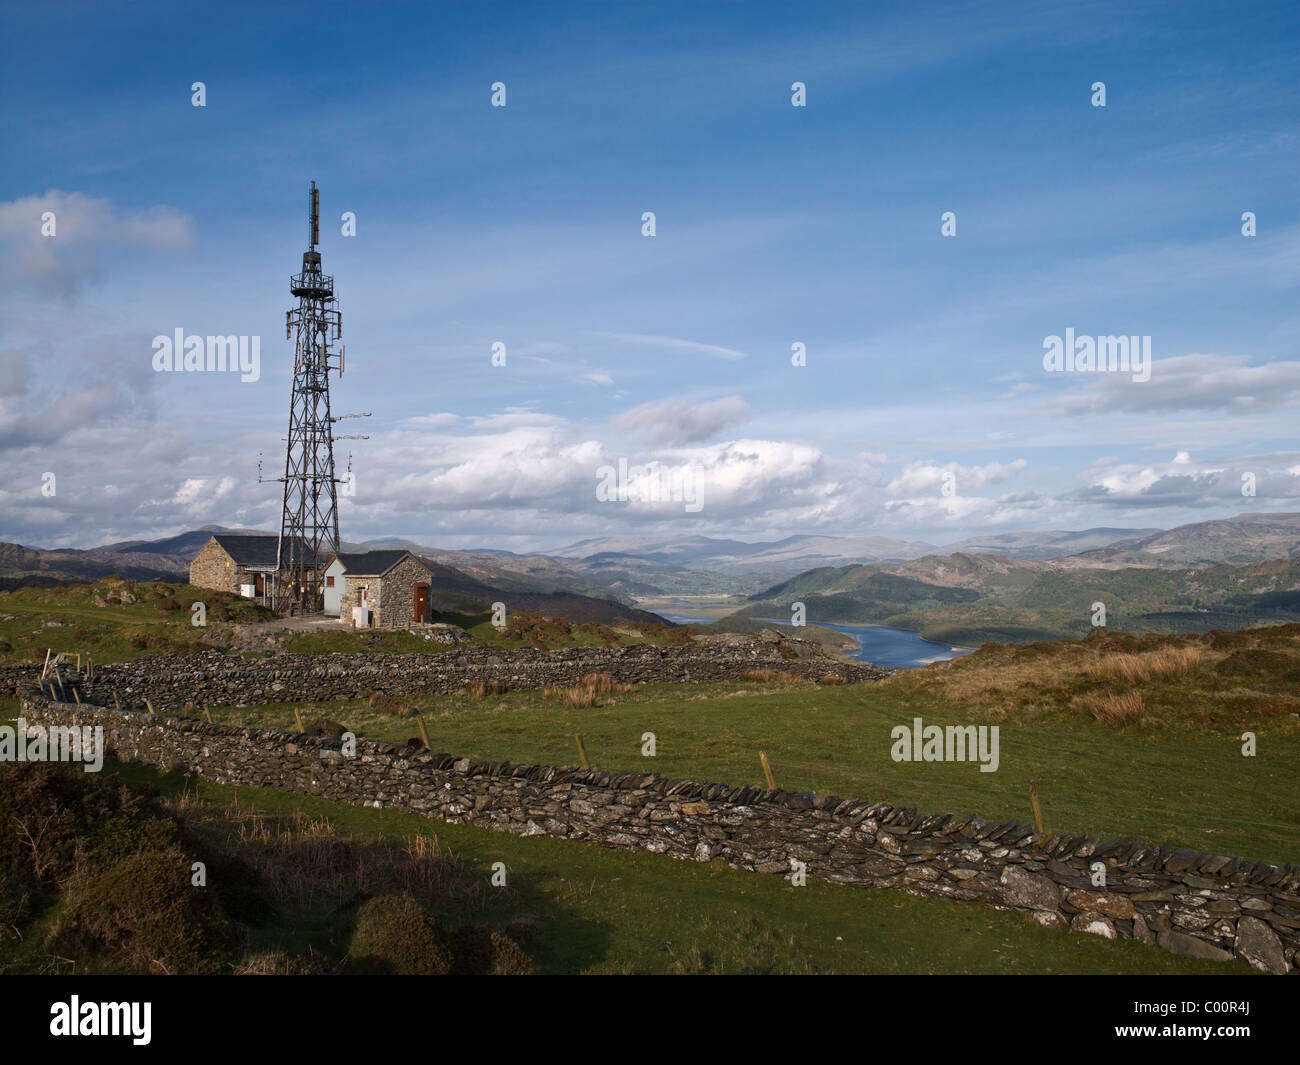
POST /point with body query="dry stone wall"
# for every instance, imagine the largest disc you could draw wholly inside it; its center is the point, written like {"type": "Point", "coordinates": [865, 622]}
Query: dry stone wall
{"type": "Point", "coordinates": [170, 682]}
{"type": "Point", "coordinates": [1188, 902]}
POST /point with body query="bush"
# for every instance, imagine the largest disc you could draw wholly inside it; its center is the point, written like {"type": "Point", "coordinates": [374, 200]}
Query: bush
{"type": "Point", "coordinates": [395, 934]}
{"type": "Point", "coordinates": [15, 904]}
{"type": "Point", "coordinates": [55, 819]}
{"type": "Point", "coordinates": [145, 911]}
{"type": "Point", "coordinates": [680, 637]}
{"type": "Point", "coordinates": [1254, 663]}
{"type": "Point", "coordinates": [480, 951]}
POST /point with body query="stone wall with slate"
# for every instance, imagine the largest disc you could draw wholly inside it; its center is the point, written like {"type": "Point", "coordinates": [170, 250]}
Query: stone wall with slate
{"type": "Point", "coordinates": [1188, 902]}
{"type": "Point", "coordinates": [170, 682]}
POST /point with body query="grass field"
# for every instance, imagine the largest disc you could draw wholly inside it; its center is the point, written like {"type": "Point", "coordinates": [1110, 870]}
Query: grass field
{"type": "Point", "coordinates": [1185, 787]}
{"type": "Point", "coordinates": [1139, 738]}
{"type": "Point", "coordinates": [582, 909]}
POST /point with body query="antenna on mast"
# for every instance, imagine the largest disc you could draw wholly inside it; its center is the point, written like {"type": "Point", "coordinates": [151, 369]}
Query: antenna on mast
{"type": "Point", "coordinates": [315, 216]}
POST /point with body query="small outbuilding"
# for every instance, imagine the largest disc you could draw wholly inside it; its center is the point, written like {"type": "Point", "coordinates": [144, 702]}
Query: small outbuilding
{"type": "Point", "coordinates": [379, 589]}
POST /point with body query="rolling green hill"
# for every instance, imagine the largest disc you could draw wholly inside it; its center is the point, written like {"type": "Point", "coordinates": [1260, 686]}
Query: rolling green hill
{"type": "Point", "coordinates": [969, 599]}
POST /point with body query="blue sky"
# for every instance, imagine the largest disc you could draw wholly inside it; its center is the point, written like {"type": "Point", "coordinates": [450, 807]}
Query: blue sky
{"type": "Point", "coordinates": [775, 225]}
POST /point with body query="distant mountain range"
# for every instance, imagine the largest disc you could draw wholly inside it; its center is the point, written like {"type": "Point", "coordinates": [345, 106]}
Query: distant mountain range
{"type": "Point", "coordinates": [625, 569]}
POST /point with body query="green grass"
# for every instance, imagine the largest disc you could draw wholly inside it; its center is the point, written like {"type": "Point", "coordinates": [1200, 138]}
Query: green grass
{"type": "Point", "coordinates": [85, 622]}
{"type": "Point", "coordinates": [1190, 788]}
{"type": "Point", "coordinates": [579, 908]}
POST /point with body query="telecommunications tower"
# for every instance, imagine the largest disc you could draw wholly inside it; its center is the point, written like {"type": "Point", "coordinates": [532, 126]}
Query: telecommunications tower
{"type": "Point", "coordinates": [309, 519]}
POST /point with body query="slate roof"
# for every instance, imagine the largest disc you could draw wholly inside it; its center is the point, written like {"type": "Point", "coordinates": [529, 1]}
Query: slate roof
{"type": "Point", "coordinates": [251, 552]}
{"type": "Point", "coordinates": [372, 563]}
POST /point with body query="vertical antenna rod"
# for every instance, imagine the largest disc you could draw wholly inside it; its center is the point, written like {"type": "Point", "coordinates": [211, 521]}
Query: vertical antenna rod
{"type": "Point", "coordinates": [315, 216]}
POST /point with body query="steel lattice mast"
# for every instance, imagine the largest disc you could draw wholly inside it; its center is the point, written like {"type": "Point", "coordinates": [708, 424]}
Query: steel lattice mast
{"type": "Point", "coordinates": [309, 520]}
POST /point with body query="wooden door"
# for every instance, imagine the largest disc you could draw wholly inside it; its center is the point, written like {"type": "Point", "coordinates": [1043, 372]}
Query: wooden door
{"type": "Point", "coordinates": [421, 602]}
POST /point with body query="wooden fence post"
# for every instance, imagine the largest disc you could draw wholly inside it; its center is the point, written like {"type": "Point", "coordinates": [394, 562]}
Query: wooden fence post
{"type": "Point", "coordinates": [424, 732]}
{"type": "Point", "coordinates": [582, 752]}
{"type": "Point", "coordinates": [1038, 811]}
{"type": "Point", "coordinates": [767, 770]}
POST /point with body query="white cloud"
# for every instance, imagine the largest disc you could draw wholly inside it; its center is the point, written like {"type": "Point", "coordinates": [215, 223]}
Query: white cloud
{"type": "Point", "coordinates": [1184, 481]}
{"type": "Point", "coordinates": [676, 345]}
{"type": "Point", "coordinates": [682, 421]}
{"type": "Point", "coordinates": [84, 226]}
{"type": "Point", "coordinates": [927, 476]}
{"type": "Point", "coordinates": [1189, 382]}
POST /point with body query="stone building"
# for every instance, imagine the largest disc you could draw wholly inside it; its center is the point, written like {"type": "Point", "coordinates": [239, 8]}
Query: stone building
{"type": "Point", "coordinates": [381, 589]}
{"type": "Point", "coordinates": [241, 565]}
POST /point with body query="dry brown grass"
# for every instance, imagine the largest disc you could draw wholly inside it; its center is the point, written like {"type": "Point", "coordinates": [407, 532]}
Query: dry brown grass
{"type": "Point", "coordinates": [482, 688]}
{"type": "Point", "coordinates": [584, 693]}
{"type": "Point", "coordinates": [387, 704]}
{"type": "Point", "coordinates": [832, 678]}
{"type": "Point", "coordinates": [1137, 668]}
{"type": "Point", "coordinates": [1182, 681]}
{"type": "Point", "coordinates": [769, 676]}
{"type": "Point", "coordinates": [603, 682]}
{"type": "Point", "coordinates": [576, 697]}
{"type": "Point", "coordinates": [1115, 709]}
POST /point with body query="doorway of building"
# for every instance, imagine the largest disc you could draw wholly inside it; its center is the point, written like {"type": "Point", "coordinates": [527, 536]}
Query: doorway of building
{"type": "Point", "coordinates": [421, 602]}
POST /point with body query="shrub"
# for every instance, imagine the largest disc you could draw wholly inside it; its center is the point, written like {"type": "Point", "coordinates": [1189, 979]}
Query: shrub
{"type": "Point", "coordinates": [15, 904]}
{"type": "Point", "coordinates": [1256, 663]}
{"type": "Point", "coordinates": [395, 934]}
{"type": "Point", "coordinates": [145, 911]}
{"type": "Point", "coordinates": [55, 820]}
{"type": "Point", "coordinates": [480, 951]}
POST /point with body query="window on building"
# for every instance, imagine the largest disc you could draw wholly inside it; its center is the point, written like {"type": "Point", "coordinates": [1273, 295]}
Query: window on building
{"type": "Point", "coordinates": [329, 582]}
